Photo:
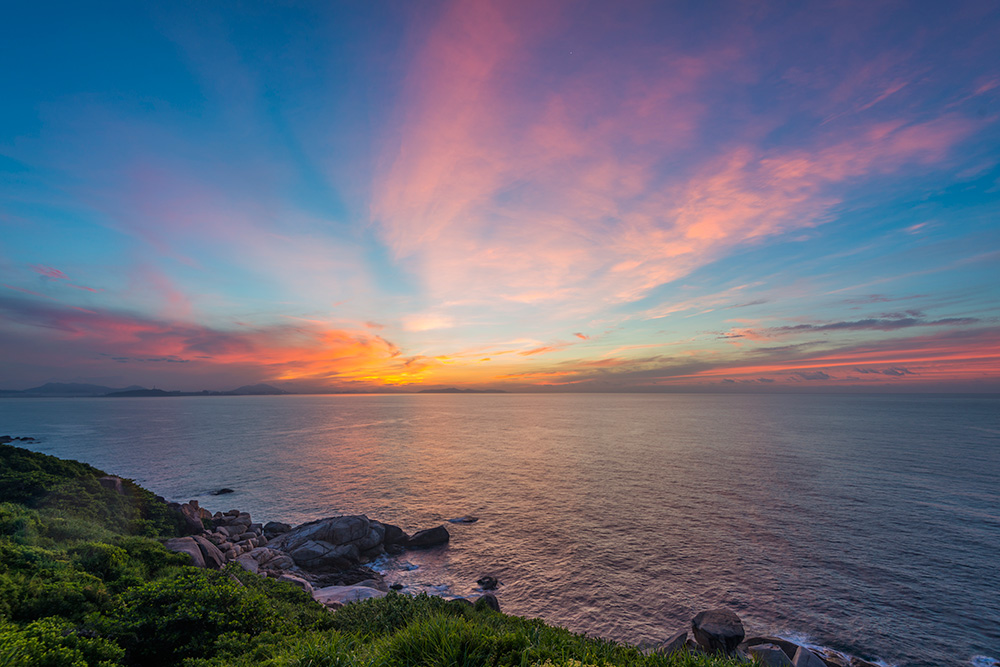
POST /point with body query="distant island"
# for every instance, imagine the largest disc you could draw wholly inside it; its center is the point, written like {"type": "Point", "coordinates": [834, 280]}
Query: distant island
{"type": "Point", "coordinates": [73, 390]}
{"type": "Point", "coordinates": [82, 390]}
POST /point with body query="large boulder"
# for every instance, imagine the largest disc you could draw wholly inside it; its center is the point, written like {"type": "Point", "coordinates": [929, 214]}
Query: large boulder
{"type": "Point", "coordinates": [213, 557]}
{"type": "Point", "coordinates": [806, 658]}
{"type": "Point", "coordinates": [337, 596]}
{"type": "Point", "coordinates": [297, 581]}
{"type": "Point", "coordinates": [718, 630]}
{"type": "Point", "coordinates": [192, 517]}
{"type": "Point", "coordinates": [394, 535]}
{"type": "Point", "coordinates": [787, 647]}
{"type": "Point", "coordinates": [273, 528]}
{"type": "Point", "coordinates": [187, 545]}
{"type": "Point", "coordinates": [769, 655]}
{"type": "Point", "coordinates": [428, 538]}
{"type": "Point", "coordinates": [335, 543]}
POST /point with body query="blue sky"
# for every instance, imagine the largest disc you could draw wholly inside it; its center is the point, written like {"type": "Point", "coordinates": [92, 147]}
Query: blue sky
{"type": "Point", "coordinates": [531, 196]}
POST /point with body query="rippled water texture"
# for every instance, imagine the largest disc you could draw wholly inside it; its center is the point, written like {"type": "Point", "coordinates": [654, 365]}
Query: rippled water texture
{"type": "Point", "coordinates": [866, 523]}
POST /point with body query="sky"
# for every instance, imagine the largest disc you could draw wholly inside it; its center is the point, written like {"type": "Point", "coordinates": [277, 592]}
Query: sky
{"type": "Point", "coordinates": [529, 196]}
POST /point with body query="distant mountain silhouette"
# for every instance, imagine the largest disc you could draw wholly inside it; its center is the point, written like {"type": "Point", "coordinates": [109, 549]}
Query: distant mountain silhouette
{"type": "Point", "coordinates": [257, 390]}
{"type": "Point", "coordinates": [455, 390]}
{"type": "Point", "coordinates": [76, 389]}
{"type": "Point", "coordinates": [132, 393]}
{"type": "Point", "coordinates": [68, 389]}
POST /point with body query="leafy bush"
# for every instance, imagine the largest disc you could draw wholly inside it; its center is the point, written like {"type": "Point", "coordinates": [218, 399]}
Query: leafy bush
{"type": "Point", "coordinates": [72, 490]}
{"type": "Point", "coordinates": [52, 642]}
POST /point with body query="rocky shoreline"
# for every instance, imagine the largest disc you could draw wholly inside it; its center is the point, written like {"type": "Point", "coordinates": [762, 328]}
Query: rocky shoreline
{"type": "Point", "coordinates": [329, 558]}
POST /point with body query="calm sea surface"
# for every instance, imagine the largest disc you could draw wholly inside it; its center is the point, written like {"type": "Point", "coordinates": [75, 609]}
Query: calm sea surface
{"type": "Point", "coordinates": [867, 523]}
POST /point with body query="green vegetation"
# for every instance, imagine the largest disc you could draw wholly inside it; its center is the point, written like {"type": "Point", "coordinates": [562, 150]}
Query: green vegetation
{"type": "Point", "coordinates": [83, 583]}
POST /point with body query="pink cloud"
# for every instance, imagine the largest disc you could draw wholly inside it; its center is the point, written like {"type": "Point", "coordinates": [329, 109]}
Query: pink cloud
{"type": "Point", "coordinates": [56, 274]}
{"type": "Point", "coordinates": [496, 190]}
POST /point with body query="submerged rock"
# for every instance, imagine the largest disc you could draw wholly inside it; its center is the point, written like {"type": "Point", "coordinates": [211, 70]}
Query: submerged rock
{"type": "Point", "coordinates": [464, 519]}
{"type": "Point", "coordinates": [488, 583]}
{"type": "Point", "coordinates": [223, 491]}
{"type": "Point", "coordinates": [718, 630]}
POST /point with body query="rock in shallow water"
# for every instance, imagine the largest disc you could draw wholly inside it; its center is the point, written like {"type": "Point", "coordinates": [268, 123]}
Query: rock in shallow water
{"type": "Point", "coordinates": [718, 630]}
{"type": "Point", "coordinates": [429, 538]}
{"type": "Point", "coordinates": [488, 583]}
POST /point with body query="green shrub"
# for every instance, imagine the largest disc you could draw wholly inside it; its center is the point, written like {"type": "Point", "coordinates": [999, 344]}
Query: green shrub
{"type": "Point", "coordinates": [54, 643]}
{"type": "Point", "coordinates": [163, 622]}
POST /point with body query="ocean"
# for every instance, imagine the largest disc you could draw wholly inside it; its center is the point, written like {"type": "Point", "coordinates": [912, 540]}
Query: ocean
{"type": "Point", "coordinates": [866, 523]}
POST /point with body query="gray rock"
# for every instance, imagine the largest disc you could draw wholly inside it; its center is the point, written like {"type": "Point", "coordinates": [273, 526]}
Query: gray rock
{"type": "Point", "coordinates": [718, 630]}
{"type": "Point", "coordinates": [191, 516]}
{"type": "Point", "coordinates": [806, 658]}
{"type": "Point", "coordinates": [428, 538]}
{"type": "Point", "coordinates": [789, 648]}
{"type": "Point", "coordinates": [212, 556]}
{"type": "Point", "coordinates": [276, 528]}
{"type": "Point", "coordinates": [337, 596]}
{"type": "Point", "coordinates": [858, 662]}
{"type": "Point", "coordinates": [769, 655]}
{"type": "Point", "coordinates": [394, 535]}
{"type": "Point", "coordinates": [676, 643]}
{"type": "Point", "coordinates": [187, 545]}
{"type": "Point", "coordinates": [336, 543]}
{"type": "Point", "coordinates": [248, 563]}
{"type": "Point", "coordinates": [296, 581]}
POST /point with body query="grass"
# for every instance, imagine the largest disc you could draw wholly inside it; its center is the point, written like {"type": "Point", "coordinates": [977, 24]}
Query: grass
{"type": "Point", "coordinates": [84, 584]}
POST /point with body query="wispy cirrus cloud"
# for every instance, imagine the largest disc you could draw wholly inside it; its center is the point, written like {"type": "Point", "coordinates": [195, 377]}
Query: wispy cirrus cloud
{"type": "Point", "coordinates": [497, 191]}
{"type": "Point", "coordinates": [62, 278]}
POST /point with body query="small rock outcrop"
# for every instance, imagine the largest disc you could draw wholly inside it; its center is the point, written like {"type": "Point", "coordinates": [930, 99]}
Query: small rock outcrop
{"type": "Point", "coordinates": [488, 583]}
{"type": "Point", "coordinates": [676, 643]}
{"type": "Point", "coordinates": [431, 537]}
{"type": "Point", "coordinates": [336, 543]}
{"type": "Point", "coordinates": [718, 630]}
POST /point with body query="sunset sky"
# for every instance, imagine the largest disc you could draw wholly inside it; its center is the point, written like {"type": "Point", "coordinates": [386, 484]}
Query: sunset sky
{"type": "Point", "coordinates": [574, 196]}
